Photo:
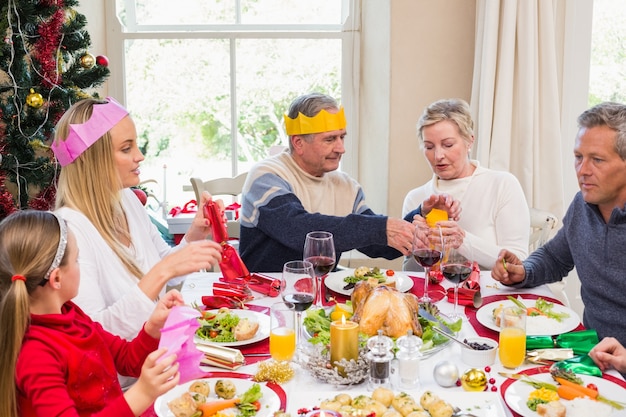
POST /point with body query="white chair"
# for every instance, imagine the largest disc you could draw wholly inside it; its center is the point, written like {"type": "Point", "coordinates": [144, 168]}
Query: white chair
{"type": "Point", "coordinates": [222, 187]}
{"type": "Point", "coordinates": [541, 223]}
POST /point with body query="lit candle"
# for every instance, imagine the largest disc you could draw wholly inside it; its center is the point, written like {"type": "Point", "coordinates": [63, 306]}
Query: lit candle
{"type": "Point", "coordinates": [344, 342]}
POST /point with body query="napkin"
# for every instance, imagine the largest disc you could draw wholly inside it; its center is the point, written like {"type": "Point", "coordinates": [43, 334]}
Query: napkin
{"type": "Point", "coordinates": [221, 356]}
{"type": "Point", "coordinates": [177, 336]}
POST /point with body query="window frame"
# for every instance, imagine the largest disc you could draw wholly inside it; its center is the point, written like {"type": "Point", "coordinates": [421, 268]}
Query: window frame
{"type": "Point", "coordinates": [348, 32]}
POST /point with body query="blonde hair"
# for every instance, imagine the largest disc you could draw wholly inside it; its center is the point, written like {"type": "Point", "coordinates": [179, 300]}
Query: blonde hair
{"type": "Point", "coordinates": [23, 252]}
{"type": "Point", "coordinates": [91, 185]}
{"type": "Point", "coordinates": [454, 110]}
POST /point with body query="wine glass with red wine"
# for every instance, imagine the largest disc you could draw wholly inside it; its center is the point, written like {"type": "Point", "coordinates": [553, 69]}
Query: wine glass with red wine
{"type": "Point", "coordinates": [456, 267]}
{"type": "Point", "coordinates": [319, 249]}
{"type": "Point", "coordinates": [427, 251]}
{"type": "Point", "coordinates": [298, 289]}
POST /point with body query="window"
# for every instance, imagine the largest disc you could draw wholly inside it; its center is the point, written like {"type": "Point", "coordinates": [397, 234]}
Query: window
{"type": "Point", "coordinates": [608, 52]}
{"type": "Point", "coordinates": [207, 82]}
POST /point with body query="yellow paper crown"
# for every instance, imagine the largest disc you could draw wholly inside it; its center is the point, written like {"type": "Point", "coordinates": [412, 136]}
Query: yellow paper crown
{"type": "Point", "coordinates": [321, 122]}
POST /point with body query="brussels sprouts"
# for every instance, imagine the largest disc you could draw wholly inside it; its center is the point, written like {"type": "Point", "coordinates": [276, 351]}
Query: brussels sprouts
{"type": "Point", "coordinates": [225, 389]}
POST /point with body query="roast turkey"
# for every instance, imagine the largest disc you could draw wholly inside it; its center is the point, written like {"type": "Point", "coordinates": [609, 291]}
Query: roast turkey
{"type": "Point", "coordinates": [385, 308]}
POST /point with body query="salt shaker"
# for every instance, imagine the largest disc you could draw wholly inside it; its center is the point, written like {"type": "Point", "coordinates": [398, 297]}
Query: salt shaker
{"type": "Point", "coordinates": [408, 357]}
{"type": "Point", "coordinates": [379, 357]}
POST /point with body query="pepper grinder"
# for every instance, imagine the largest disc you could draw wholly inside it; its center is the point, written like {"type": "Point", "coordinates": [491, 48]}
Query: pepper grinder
{"type": "Point", "coordinates": [379, 357]}
{"type": "Point", "coordinates": [409, 357]}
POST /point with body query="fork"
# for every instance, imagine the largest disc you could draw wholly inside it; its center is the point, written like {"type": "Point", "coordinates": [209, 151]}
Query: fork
{"type": "Point", "coordinates": [458, 413]}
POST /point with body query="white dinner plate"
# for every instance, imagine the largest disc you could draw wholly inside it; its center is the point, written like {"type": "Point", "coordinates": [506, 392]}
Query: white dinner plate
{"type": "Point", "coordinates": [516, 394]}
{"type": "Point", "coordinates": [273, 399]}
{"type": "Point", "coordinates": [261, 334]}
{"type": "Point", "coordinates": [535, 326]}
{"type": "Point", "coordinates": [334, 281]}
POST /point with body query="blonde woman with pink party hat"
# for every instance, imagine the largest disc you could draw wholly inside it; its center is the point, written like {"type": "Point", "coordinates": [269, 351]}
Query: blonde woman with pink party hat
{"type": "Point", "coordinates": [125, 262]}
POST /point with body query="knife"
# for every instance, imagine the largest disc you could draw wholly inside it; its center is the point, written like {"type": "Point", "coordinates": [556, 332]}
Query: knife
{"type": "Point", "coordinates": [440, 323]}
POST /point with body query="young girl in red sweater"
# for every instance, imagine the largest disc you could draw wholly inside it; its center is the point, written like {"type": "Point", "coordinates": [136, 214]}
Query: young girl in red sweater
{"type": "Point", "coordinates": [55, 360]}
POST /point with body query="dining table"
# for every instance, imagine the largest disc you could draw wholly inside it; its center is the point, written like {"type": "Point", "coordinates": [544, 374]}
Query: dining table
{"type": "Point", "coordinates": [304, 391]}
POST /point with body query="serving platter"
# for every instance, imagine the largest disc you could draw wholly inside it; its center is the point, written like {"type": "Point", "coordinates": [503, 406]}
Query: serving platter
{"type": "Point", "coordinates": [480, 404]}
{"type": "Point", "coordinates": [261, 334]}
{"type": "Point", "coordinates": [273, 399]}
{"type": "Point", "coordinates": [515, 392]}
{"type": "Point", "coordinates": [334, 281]}
{"type": "Point", "coordinates": [535, 326]}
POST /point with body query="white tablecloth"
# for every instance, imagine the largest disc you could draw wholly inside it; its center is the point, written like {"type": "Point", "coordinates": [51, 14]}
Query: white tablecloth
{"type": "Point", "coordinates": [305, 391]}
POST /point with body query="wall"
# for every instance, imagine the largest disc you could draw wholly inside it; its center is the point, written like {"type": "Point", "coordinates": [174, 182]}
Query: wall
{"type": "Point", "coordinates": [429, 61]}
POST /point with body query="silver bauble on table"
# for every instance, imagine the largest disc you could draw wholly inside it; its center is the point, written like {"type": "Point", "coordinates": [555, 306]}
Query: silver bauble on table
{"type": "Point", "coordinates": [446, 374]}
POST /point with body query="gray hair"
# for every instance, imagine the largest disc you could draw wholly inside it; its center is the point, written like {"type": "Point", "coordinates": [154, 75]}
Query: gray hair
{"type": "Point", "coordinates": [611, 115]}
{"type": "Point", "coordinates": [455, 110]}
{"type": "Point", "coordinates": [310, 104]}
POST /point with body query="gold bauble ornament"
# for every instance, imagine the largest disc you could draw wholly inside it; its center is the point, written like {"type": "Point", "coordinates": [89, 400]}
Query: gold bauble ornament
{"type": "Point", "coordinates": [474, 380]}
{"type": "Point", "coordinates": [87, 61]}
{"type": "Point", "coordinates": [34, 100]}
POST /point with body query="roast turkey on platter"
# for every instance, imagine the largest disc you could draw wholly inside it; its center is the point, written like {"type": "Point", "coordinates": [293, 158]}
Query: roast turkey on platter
{"type": "Point", "coordinates": [385, 308]}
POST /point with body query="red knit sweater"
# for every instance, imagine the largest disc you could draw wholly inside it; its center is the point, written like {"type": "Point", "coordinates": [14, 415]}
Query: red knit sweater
{"type": "Point", "coordinates": [68, 366]}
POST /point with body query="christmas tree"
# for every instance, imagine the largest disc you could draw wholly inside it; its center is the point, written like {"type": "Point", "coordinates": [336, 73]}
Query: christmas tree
{"type": "Point", "coordinates": [45, 66]}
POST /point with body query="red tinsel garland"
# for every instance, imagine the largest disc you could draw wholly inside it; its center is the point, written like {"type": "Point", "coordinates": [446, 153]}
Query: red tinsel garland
{"type": "Point", "coordinates": [45, 199]}
{"type": "Point", "coordinates": [7, 204]}
{"type": "Point", "coordinates": [48, 43]}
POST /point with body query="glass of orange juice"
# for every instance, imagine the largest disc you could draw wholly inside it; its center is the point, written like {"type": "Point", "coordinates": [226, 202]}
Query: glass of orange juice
{"type": "Point", "coordinates": [512, 349]}
{"type": "Point", "coordinates": [282, 332]}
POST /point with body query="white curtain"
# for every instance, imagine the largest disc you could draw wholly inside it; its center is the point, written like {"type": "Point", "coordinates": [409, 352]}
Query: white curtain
{"type": "Point", "coordinates": [516, 95]}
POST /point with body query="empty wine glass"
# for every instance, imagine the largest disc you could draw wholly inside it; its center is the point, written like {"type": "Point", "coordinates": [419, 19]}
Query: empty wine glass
{"type": "Point", "coordinates": [456, 267]}
{"type": "Point", "coordinates": [427, 251]}
{"type": "Point", "coordinates": [298, 289]}
{"type": "Point", "coordinates": [319, 249]}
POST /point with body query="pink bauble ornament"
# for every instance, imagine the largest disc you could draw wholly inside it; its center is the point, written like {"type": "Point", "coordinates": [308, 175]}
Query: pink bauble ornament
{"type": "Point", "coordinates": [102, 61]}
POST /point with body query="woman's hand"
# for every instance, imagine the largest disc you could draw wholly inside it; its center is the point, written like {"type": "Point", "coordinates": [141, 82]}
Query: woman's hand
{"type": "Point", "coordinates": [201, 226]}
{"type": "Point", "coordinates": [159, 374]}
{"type": "Point", "coordinates": [161, 311]}
{"type": "Point", "coordinates": [451, 232]}
{"type": "Point", "coordinates": [443, 202]}
{"type": "Point", "coordinates": [193, 257]}
{"type": "Point", "coordinates": [198, 255]}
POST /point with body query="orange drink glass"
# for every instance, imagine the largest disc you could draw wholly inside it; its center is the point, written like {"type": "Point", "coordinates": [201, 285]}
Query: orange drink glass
{"type": "Point", "coordinates": [512, 346]}
{"type": "Point", "coordinates": [282, 332]}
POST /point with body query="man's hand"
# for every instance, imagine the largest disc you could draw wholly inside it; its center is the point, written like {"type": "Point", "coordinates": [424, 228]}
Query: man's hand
{"type": "Point", "coordinates": [400, 235]}
{"type": "Point", "coordinates": [608, 354]}
{"type": "Point", "coordinates": [508, 269]}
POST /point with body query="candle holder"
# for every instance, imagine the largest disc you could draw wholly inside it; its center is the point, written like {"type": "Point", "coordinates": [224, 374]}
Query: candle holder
{"type": "Point", "coordinates": [317, 362]}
